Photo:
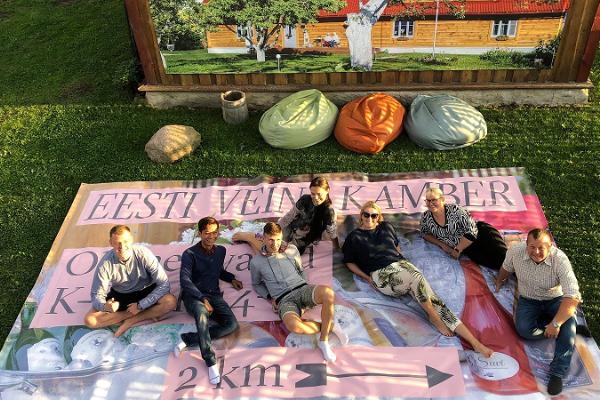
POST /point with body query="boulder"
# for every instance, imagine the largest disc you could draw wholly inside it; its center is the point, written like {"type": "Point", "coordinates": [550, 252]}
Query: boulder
{"type": "Point", "coordinates": [172, 142]}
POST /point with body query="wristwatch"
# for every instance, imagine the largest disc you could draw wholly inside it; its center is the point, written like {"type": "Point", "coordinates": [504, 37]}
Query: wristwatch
{"type": "Point", "coordinates": [555, 324]}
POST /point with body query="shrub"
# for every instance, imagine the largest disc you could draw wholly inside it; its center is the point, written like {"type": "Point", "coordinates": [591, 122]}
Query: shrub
{"type": "Point", "coordinates": [545, 51]}
{"type": "Point", "coordinates": [507, 57]}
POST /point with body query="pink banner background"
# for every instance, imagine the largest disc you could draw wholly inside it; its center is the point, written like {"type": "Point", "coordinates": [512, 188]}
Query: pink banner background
{"type": "Point", "coordinates": [187, 377]}
{"type": "Point", "coordinates": [185, 205]}
{"type": "Point", "coordinates": [67, 298]}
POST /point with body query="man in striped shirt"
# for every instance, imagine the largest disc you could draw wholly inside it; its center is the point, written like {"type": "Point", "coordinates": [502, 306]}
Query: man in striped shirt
{"type": "Point", "coordinates": [548, 298]}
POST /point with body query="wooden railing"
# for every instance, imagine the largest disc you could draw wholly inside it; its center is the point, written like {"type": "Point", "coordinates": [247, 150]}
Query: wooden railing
{"type": "Point", "coordinates": [575, 54]}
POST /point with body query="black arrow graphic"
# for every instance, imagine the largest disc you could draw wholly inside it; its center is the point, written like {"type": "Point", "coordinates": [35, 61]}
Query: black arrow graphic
{"type": "Point", "coordinates": [317, 375]}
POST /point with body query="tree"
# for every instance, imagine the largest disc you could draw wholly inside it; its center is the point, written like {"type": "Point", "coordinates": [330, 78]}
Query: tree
{"type": "Point", "coordinates": [177, 20]}
{"type": "Point", "coordinates": [262, 20]}
{"type": "Point", "coordinates": [360, 25]}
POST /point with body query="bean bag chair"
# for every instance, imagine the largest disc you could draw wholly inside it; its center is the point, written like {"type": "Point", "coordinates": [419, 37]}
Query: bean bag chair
{"type": "Point", "coordinates": [300, 120]}
{"type": "Point", "coordinates": [444, 123]}
{"type": "Point", "coordinates": [368, 124]}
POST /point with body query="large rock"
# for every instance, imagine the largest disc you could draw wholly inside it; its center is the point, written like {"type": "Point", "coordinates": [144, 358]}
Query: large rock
{"type": "Point", "coordinates": [172, 142]}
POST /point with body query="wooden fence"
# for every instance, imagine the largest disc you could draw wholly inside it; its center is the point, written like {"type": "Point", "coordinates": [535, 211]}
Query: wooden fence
{"type": "Point", "coordinates": [571, 67]}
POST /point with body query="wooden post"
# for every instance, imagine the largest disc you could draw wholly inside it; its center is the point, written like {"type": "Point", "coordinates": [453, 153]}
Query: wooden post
{"type": "Point", "coordinates": [590, 50]}
{"type": "Point", "coordinates": [138, 13]}
{"type": "Point", "coordinates": [574, 39]}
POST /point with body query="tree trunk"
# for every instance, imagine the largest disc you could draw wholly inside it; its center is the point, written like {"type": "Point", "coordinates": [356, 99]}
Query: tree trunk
{"type": "Point", "coordinates": [260, 46]}
{"type": "Point", "coordinates": [359, 30]}
{"type": "Point", "coordinates": [260, 53]}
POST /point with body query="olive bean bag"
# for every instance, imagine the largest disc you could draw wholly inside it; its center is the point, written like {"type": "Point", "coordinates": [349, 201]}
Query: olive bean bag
{"type": "Point", "coordinates": [444, 123]}
{"type": "Point", "coordinates": [368, 124]}
{"type": "Point", "coordinates": [300, 120]}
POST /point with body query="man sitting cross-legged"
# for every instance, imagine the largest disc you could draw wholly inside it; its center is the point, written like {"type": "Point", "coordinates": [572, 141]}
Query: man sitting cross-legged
{"type": "Point", "coordinates": [201, 269]}
{"type": "Point", "coordinates": [277, 275]}
{"type": "Point", "coordinates": [129, 285]}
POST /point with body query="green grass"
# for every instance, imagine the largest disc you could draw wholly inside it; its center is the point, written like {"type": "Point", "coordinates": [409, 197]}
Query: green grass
{"type": "Point", "coordinates": [50, 143]}
{"type": "Point", "coordinates": [200, 61]}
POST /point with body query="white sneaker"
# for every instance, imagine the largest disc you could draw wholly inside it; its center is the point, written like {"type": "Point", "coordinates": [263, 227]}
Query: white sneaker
{"type": "Point", "coordinates": [341, 335]}
{"type": "Point", "coordinates": [213, 375]}
{"type": "Point", "coordinates": [179, 347]}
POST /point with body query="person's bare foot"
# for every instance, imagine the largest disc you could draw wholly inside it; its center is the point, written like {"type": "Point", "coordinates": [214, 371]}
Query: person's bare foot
{"type": "Point", "coordinates": [482, 349]}
{"type": "Point", "coordinates": [439, 324]}
{"type": "Point", "coordinates": [123, 328]}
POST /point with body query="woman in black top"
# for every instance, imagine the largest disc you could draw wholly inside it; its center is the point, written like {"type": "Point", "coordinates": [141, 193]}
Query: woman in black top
{"type": "Point", "coordinates": [451, 227]}
{"type": "Point", "coordinates": [312, 216]}
{"type": "Point", "coordinates": [372, 252]}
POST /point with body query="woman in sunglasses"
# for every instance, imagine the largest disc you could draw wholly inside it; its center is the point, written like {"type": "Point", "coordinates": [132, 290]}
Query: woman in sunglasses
{"type": "Point", "coordinates": [311, 217]}
{"type": "Point", "coordinates": [372, 252]}
{"type": "Point", "coordinates": [451, 227]}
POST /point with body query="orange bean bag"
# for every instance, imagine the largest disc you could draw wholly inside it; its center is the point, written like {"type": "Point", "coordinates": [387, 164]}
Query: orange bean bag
{"type": "Point", "coordinates": [368, 124]}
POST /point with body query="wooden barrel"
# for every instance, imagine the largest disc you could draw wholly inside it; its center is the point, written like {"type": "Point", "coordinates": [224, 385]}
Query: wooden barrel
{"type": "Point", "coordinates": [235, 109]}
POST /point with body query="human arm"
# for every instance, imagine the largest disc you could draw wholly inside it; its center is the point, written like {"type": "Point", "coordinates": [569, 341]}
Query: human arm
{"type": "Point", "coordinates": [567, 308]}
{"type": "Point", "coordinates": [185, 277]}
{"type": "Point", "coordinates": [227, 276]}
{"type": "Point", "coordinates": [159, 277]}
{"type": "Point", "coordinates": [100, 288]}
{"type": "Point", "coordinates": [432, 239]}
{"type": "Point", "coordinates": [249, 238]}
{"type": "Point", "coordinates": [257, 282]}
{"type": "Point", "coordinates": [357, 271]}
{"type": "Point", "coordinates": [287, 219]}
{"type": "Point", "coordinates": [501, 278]}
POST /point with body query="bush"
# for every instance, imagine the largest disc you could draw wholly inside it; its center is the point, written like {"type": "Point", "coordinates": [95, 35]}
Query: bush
{"type": "Point", "coordinates": [507, 57]}
{"type": "Point", "coordinates": [545, 51]}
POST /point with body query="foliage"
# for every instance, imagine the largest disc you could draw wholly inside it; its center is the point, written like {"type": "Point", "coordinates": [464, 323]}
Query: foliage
{"type": "Point", "coordinates": [177, 22]}
{"type": "Point", "coordinates": [506, 57]}
{"type": "Point", "coordinates": [546, 50]}
{"type": "Point", "coordinates": [264, 17]}
{"type": "Point", "coordinates": [417, 9]}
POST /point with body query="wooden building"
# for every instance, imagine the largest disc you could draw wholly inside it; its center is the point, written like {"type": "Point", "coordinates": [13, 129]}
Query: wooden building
{"type": "Point", "coordinates": [488, 24]}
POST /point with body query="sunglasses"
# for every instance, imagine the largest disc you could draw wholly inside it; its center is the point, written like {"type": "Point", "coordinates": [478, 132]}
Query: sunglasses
{"type": "Point", "coordinates": [431, 200]}
{"type": "Point", "coordinates": [367, 215]}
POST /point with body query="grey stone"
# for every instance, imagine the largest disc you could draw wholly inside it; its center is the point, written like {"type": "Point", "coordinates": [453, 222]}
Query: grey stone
{"type": "Point", "coordinates": [172, 142]}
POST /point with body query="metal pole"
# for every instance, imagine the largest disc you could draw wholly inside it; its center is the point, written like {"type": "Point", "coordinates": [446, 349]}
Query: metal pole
{"type": "Point", "coordinates": [437, 10]}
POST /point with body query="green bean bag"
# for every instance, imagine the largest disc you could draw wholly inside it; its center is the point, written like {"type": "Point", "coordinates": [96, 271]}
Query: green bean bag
{"type": "Point", "coordinates": [300, 120]}
{"type": "Point", "coordinates": [444, 123]}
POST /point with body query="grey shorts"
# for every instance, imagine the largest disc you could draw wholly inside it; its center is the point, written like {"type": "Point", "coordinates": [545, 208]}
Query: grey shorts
{"type": "Point", "coordinates": [297, 300]}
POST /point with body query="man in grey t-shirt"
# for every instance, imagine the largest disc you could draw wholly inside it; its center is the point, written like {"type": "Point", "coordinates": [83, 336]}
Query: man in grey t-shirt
{"type": "Point", "coordinates": [129, 285]}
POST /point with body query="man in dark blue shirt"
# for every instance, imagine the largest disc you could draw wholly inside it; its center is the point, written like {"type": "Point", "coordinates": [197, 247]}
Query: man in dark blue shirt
{"type": "Point", "coordinates": [201, 269]}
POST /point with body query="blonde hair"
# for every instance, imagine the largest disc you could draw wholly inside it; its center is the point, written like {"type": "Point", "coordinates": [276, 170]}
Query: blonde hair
{"type": "Point", "coordinates": [435, 191]}
{"type": "Point", "coordinates": [372, 204]}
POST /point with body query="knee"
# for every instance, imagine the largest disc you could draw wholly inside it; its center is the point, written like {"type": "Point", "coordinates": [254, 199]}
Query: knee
{"type": "Point", "coordinates": [169, 302]}
{"type": "Point", "coordinates": [231, 327]}
{"type": "Point", "coordinates": [90, 321]}
{"type": "Point", "coordinates": [327, 295]}
{"type": "Point", "coordinates": [525, 329]}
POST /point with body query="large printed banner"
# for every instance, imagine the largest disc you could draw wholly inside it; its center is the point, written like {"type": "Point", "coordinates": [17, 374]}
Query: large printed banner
{"type": "Point", "coordinates": [393, 350]}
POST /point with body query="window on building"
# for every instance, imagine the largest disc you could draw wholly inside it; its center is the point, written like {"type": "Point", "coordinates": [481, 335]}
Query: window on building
{"type": "Point", "coordinates": [504, 28]}
{"type": "Point", "coordinates": [404, 29]}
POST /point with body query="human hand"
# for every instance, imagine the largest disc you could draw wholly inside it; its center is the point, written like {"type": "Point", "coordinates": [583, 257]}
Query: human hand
{"type": "Point", "coordinates": [237, 285]}
{"type": "Point", "coordinates": [209, 308]}
{"type": "Point", "coordinates": [499, 284]}
{"type": "Point", "coordinates": [111, 305]}
{"type": "Point", "coordinates": [551, 331]}
{"type": "Point", "coordinates": [371, 282]}
{"type": "Point", "coordinates": [133, 308]}
{"type": "Point", "coordinates": [274, 306]}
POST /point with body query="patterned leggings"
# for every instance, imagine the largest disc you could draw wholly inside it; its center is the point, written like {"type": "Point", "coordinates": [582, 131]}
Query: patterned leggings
{"type": "Point", "coordinates": [401, 277]}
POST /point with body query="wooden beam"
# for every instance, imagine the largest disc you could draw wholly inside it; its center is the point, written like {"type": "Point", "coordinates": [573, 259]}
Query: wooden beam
{"type": "Point", "coordinates": [590, 50]}
{"type": "Point", "coordinates": [574, 39]}
{"type": "Point", "coordinates": [142, 28]}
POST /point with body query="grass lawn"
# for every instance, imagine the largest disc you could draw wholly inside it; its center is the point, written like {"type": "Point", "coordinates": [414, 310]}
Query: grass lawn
{"type": "Point", "coordinates": [52, 138]}
{"type": "Point", "coordinates": [200, 61]}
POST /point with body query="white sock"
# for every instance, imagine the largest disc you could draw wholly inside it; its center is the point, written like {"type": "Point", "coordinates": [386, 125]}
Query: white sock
{"type": "Point", "coordinates": [339, 332]}
{"type": "Point", "coordinates": [213, 374]}
{"type": "Point", "coordinates": [328, 353]}
{"type": "Point", "coordinates": [179, 347]}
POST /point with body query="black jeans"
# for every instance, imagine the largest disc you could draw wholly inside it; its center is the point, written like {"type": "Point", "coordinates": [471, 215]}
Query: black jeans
{"type": "Point", "coordinates": [225, 323]}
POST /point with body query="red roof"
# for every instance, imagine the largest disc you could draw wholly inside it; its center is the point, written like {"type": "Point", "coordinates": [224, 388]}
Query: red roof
{"type": "Point", "coordinates": [478, 7]}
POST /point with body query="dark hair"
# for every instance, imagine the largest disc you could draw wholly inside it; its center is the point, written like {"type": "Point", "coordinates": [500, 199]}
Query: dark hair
{"type": "Point", "coordinates": [118, 230]}
{"type": "Point", "coordinates": [272, 228]}
{"type": "Point", "coordinates": [204, 222]}
{"type": "Point", "coordinates": [322, 217]}
{"type": "Point", "coordinates": [538, 233]}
